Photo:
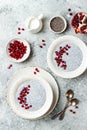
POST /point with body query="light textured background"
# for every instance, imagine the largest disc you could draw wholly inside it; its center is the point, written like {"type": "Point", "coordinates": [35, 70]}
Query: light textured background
{"type": "Point", "coordinates": [12, 14]}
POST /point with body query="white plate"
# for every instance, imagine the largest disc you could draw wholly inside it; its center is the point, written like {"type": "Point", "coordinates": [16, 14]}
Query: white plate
{"type": "Point", "coordinates": [82, 47]}
{"type": "Point", "coordinates": [21, 76]}
{"type": "Point", "coordinates": [26, 55]}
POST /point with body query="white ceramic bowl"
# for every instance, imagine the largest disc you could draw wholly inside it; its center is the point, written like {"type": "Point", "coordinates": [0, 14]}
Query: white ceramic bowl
{"type": "Point", "coordinates": [11, 98]}
{"type": "Point", "coordinates": [65, 22]}
{"type": "Point", "coordinates": [26, 55]}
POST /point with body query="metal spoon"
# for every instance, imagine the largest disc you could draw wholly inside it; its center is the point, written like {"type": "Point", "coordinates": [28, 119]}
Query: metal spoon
{"type": "Point", "coordinates": [73, 102]}
{"type": "Point", "coordinates": [69, 96]}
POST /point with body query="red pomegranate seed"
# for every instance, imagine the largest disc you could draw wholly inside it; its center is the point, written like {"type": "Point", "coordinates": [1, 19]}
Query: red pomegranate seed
{"type": "Point", "coordinates": [76, 107]}
{"type": "Point", "coordinates": [67, 53]}
{"type": "Point", "coordinates": [37, 69]}
{"type": "Point", "coordinates": [35, 73]}
{"type": "Point", "coordinates": [60, 47]}
{"type": "Point", "coordinates": [44, 44]}
{"type": "Point", "coordinates": [9, 67]}
{"type": "Point", "coordinates": [41, 46]}
{"type": "Point", "coordinates": [28, 86]}
{"type": "Point", "coordinates": [43, 40]}
{"type": "Point", "coordinates": [69, 9]}
{"type": "Point", "coordinates": [57, 53]}
{"type": "Point", "coordinates": [19, 32]}
{"type": "Point", "coordinates": [30, 106]}
{"type": "Point", "coordinates": [74, 112]}
{"type": "Point", "coordinates": [20, 102]}
{"type": "Point", "coordinates": [22, 29]}
{"type": "Point", "coordinates": [22, 106]}
{"type": "Point", "coordinates": [71, 110]}
{"type": "Point", "coordinates": [70, 14]}
{"type": "Point", "coordinates": [19, 28]}
{"type": "Point", "coordinates": [27, 107]}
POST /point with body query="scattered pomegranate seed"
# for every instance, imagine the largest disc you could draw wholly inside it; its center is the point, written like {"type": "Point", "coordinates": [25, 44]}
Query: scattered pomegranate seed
{"type": "Point", "coordinates": [70, 14]}
{"type": "Point", "coordinates": [17, 49]}
{"type": "Point", "coordinates": [29, 86]}
{"type": "Point", "coordinates": [76, 107]}
{"type": "Point", "coordinates": [71, 110]}
{"type": "Point", "coordinates": [43, 40]}
{"type": "Point", "coordinates": [30, 106]}
{"type": "Point", "coordinates": [35, 73]}
{"type": "Point", "coordinates": [59, 54]}
{"type": "Point", "coordinates": [74, 112]}
{"type": "Point", "coordinates": [27, 107]}
{"type": "Point", "coordinates": [22, 29]}
{"type": "Point", "coordinates": [69, 9]}
{"type": "Point", "coordinates": [19, 28]}
{"type": "Point", "coordinates": [19, 32]}
{"type": "Point", "coordinates": [37, 69]}
{"type": "Point", "coordinates": [9, 67]}
{"type": "Point", "coordinates": [41, 46]}
{"type": "Point", "coordinates": [44, 44]}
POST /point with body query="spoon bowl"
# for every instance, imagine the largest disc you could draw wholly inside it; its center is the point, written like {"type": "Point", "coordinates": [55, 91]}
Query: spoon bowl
{"type": "Point", "coordinates": [74, 102]}
{"type": "Point", "coordinates": [69, 94]}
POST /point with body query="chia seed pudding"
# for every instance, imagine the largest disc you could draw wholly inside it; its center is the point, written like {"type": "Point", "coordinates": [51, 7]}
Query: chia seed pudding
{"type": "Point", "coordinates": [36, 96]}
{"type": "Point", "coordinates": [57, 24]}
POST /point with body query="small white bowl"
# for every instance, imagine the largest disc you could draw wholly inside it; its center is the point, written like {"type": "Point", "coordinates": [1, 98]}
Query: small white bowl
{"type": "Point", "coordinates": [26, 55]}
{"type": "Point", "coordinates": [65, 22]}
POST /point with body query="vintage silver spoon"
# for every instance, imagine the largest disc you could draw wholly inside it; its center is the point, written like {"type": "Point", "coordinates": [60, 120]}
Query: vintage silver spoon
{"type": "Point", "coordinates": [69, 96]}
{"type": "Point", "coordinates": [73, 102]}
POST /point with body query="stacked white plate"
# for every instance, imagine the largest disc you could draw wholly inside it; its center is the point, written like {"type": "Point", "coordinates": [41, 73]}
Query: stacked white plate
{"type": "Point", "coordinates": [43, 97]}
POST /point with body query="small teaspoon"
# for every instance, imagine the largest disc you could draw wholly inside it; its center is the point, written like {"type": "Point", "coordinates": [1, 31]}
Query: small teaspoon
{"type": "Point", "coordinates": [69, 95]}
{"type": "Point", "coordinates": [73, 102]}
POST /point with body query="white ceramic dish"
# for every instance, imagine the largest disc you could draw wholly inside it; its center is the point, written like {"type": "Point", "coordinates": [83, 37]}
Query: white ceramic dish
{"type": "Point", "coordinates": [26, 55]}
{"type": "Point", "coordinates": [13, 86]}
{"type": "Point", "coordinates": [82, 47]}
{"type": "Point", "coordinates": [65, 22]}
{"type": "Point", "coordinates": [24, 74]}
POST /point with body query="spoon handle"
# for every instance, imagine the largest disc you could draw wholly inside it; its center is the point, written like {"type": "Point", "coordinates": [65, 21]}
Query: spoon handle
{"type": "Point", "coordinates": [63, 113]}
{"type": "Point", "coordinates": [58, 113]}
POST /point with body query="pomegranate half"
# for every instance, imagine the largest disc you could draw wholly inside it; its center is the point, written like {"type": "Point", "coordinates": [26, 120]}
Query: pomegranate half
{"type": "Point", "coordinates": [79, 22]}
